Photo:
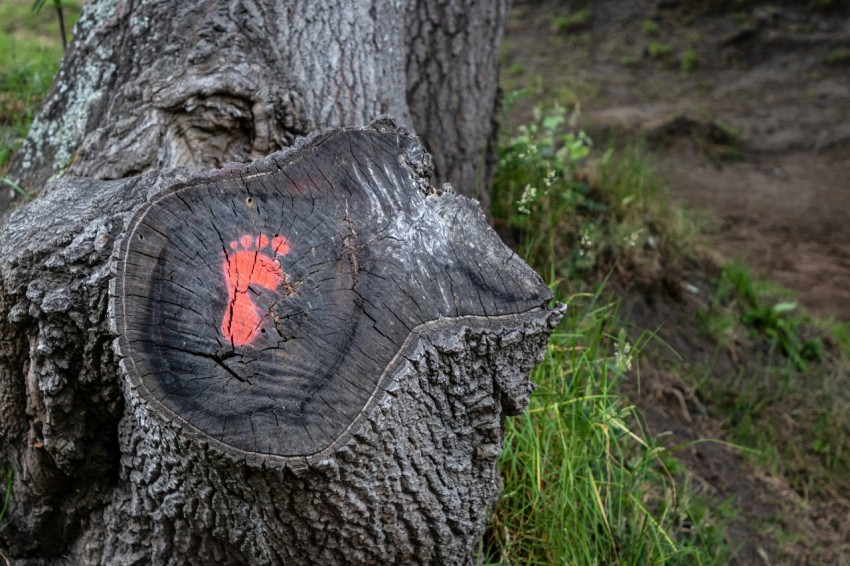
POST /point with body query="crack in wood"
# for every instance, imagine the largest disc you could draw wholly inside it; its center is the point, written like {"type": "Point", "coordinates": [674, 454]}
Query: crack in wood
{"type": "Point", "coordinates": [219, 359]}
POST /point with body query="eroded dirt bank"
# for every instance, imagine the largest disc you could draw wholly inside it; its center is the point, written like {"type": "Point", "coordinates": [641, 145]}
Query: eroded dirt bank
{"type": "Point", "coordinates": [748, 103]}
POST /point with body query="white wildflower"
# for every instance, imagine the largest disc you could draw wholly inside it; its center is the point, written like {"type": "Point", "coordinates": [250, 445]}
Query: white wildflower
{"type": "Point", "coordinates": [623, 357]}
{"type": "Point", "coordinates": [632, 239]}
{"type": "Point", "coordinates": [529, 194]}
{"type": "Point", "coordinates": [550, 176]}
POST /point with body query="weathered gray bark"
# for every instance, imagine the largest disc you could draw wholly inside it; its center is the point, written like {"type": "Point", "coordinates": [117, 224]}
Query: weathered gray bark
{"type": "Point", "coordinates": [102, 474]}
{"type": "Point", "coordinates": [106, 472]}
{"type": "Point", "coordinates": [453, 84]}
{"type": "Point", "coordinates": [153, 83]}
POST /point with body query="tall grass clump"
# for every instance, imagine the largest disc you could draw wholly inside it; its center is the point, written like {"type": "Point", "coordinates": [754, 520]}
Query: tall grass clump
{"type": "Point", "coordinates": [582, 484]}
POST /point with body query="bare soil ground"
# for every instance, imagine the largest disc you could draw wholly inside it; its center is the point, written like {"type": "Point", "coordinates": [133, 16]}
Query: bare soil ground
{"type": "Point", "coordinates": [748, 105]}
{"type": "Point", "coordinates": [757, 131]}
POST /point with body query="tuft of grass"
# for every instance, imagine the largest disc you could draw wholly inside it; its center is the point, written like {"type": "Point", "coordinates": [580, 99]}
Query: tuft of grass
{"type": "Point", "coordinates": [516, 69]}
{"type": "Point", "coordinates": [689, 60]}
{"type": "Point", "coordinates": [659, 50]}
{"type": "Point", "coordinates": [771, 311]}
{"type": "Point", "coordinates": [650, 28]}
{"type": "Point", "coordinates": [629, 60]}
{"type": "Point", "coordinates": [839, 56]}
{"type": "Point", "coordinates": [578, 20]}
{"type": "Point", "coordinates": [565, 96]}
{"type": "Point", "coordinates": [582, 483]}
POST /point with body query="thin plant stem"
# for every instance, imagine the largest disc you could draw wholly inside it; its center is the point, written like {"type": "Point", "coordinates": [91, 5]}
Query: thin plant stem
{"type": "Point", "coordinates": [58, 5]}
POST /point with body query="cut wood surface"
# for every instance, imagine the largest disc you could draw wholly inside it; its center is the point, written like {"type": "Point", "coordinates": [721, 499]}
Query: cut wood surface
{"type": "Point", "coordinates": [312, 358]}
{"type": "Point", "coordinates": [267, 308]}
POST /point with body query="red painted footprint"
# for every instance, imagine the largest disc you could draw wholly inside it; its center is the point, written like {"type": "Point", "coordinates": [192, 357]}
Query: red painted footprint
{"type": "Point", "coordinates": [248, 266]}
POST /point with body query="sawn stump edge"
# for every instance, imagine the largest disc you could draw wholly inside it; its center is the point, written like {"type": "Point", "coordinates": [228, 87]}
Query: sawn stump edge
{"type": "Point", "coordinates": [371, 211]}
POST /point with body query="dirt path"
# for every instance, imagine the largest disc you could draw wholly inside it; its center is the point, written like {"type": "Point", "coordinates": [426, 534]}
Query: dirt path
{"type": "Point", "coordinates": [756, 130]}
{"type": "Point", "coordinates": [787, 214]}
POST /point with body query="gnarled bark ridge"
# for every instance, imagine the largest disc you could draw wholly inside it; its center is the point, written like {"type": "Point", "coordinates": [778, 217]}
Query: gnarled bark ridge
{"type": "Point", "coordinates": [308, 359]}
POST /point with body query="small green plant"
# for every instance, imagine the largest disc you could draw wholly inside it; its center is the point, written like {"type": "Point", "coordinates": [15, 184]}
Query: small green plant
{"type": "Point", "coordinates": [689, 60]}
{"type": "Point", "coordinates": [575, 212]}
{"type": "Point", "coordinates": [840, 56]}
{"type": "Point", "coordinates": [573, 22]}
{"type": "Point", "coordinates": [516, 69]}
{"type": "Point", "coordinates": [659, 50]}
{"type": "Point", "coordinates": [650, 28]}
{"type": "Point", "coordinates": [776, 320]}
{"type": "Point", "coordinates": [629, 60]}
{"type": "Point", "coordinates": [536, 184]}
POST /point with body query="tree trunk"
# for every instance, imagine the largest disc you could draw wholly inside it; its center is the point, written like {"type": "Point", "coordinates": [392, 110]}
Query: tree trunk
{"type": "Point", "coordinates": [368, 428]}
{"type": "Point", "coordinates": [313, 359]}
{"type": "Point", "coordinates": [153, 84]}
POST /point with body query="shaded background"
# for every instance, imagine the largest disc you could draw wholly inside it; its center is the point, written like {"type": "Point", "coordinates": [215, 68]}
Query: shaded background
{"type": "Point", "coordinates": [746, 104]}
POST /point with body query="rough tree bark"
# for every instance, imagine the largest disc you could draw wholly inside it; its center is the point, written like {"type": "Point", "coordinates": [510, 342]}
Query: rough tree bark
{"type": "Point", "coordinates": [317, 353]}
{"type": "Point", "coordinates": [105, 472]}
{"type": "Point", "coordinates": [152, 84]}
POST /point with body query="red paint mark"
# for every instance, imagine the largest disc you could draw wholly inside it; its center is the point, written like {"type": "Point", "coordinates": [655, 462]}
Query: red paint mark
{"type": "Point", "coordinates": [280, 245]}
{"type": "Point", "coordinates": [249, 266]}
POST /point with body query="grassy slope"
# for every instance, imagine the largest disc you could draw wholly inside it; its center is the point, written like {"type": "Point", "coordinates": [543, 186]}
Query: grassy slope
{"type": "Point", "coordinates": [583, 484]}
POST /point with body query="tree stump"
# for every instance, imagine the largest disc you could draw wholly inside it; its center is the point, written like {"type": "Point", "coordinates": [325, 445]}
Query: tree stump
{"type": "Point", "coordinates": [317, 353]}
